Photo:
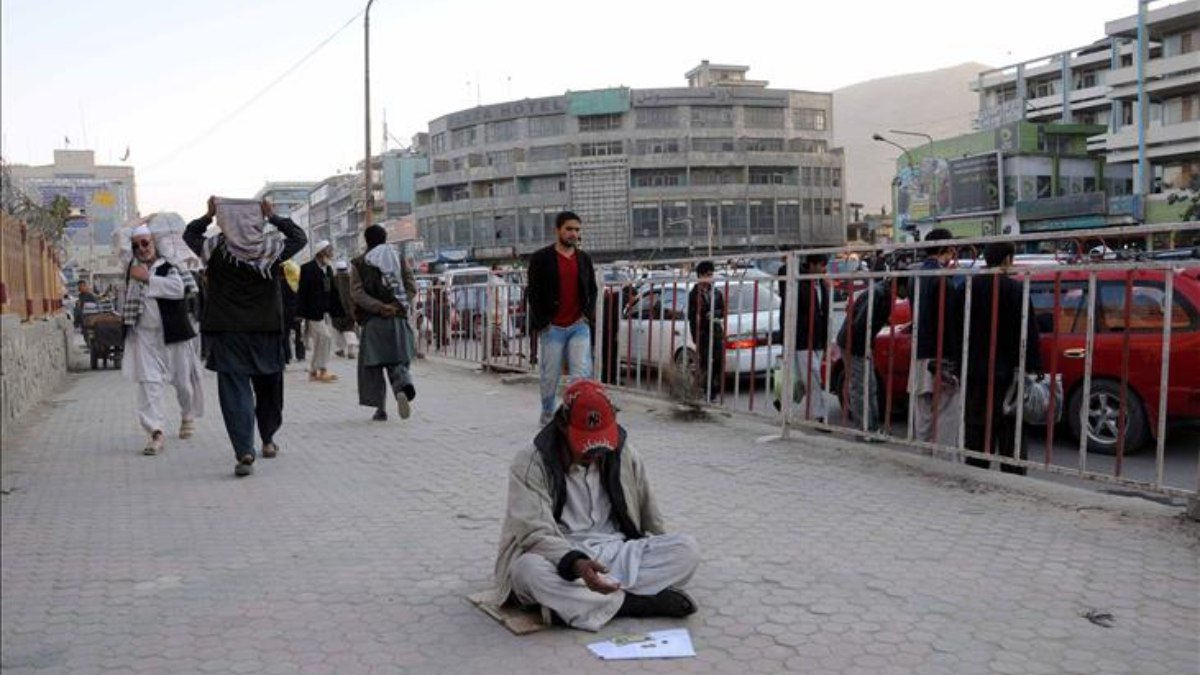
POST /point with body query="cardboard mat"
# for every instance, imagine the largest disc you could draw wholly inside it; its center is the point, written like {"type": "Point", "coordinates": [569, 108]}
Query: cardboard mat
{"type": "Point", "coordinates": [519, 621]}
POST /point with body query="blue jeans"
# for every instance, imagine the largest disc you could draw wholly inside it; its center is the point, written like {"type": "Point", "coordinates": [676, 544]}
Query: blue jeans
{"type": "Point", "coordinates": [555, 344]}
{"type": "Point", "coordinates": [246, 399]}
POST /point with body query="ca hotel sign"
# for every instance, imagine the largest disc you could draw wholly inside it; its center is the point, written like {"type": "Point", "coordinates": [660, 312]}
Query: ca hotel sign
{"type": "Point", "coordinates": [530, 107]}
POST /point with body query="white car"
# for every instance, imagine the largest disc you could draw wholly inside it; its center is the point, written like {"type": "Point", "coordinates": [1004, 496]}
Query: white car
{"type": "Point", "coordinates": [474, 293]}
{"type": "Point", "coordinates": [654, 331]}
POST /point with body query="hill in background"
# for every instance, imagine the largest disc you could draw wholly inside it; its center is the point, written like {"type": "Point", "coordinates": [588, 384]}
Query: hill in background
{"type": "Point", "coordinates": [938, 103]}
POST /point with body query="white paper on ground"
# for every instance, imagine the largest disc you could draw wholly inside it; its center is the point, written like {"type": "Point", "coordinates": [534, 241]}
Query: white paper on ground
{"type": "Point", "coordinates": [663, 644]}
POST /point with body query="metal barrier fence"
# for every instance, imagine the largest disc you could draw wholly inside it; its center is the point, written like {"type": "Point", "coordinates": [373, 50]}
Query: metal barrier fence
{"type": "Point", "coordinates": [1121, 337]}
{"type": "Point", "coordinates": [29, 272]}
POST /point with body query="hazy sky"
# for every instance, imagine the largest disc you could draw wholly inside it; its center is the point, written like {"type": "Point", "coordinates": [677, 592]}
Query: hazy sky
{"type": "Point", "coordinates": [171, 80]}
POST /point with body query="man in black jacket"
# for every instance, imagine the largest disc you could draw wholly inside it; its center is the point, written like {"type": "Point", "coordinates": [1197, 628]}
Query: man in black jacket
{"type": "Point", "coordinates": [318, 303]}
{"type": "Point", "coordinates": [706, 319]}
{"type": "Point", "coordinates": [562, 309]}
{"type": "Point", "coordinates": [812, 333]}
{"type": "Point", "coordinates": [243, 319]}
{"type": "Point", "coordinates": [996, 317]}
{"type": "Point", "coordinates": [934, 384]}
{"type": "Point", "coordinates": [852, 339]}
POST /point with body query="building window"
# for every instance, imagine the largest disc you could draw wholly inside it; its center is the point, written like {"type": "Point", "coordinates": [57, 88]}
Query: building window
{"type": "Point", "coordinates": [769, 175]}
{"type": "Point", "coordinates": [658, 178]}
{"type": "Point", "coordinates": [1087, 79]}
{"type": "Point", "coordinates": [657, 118]}
{"type": "Point", "coordinates": [713, 145]}
{"type": "Point", "coordinates": [835, 177]}
{"type": "Point", "coordinates": [733, 218]}
{"type": "Point", "coordinates": [1044, 88]}
{"type": "Point", "coordinates": [437, 144]}
{"type": "Point", "coordinates": [542, 153]}
{"type": "Point", "coordinates": [762, 144]}
{"type": "Point", "coordinates": [807, 145]}
{"type": "Point", "coordinates": [645, 220]}
{"type": "Point", "coordinates": [762, 216]}
{"type": "Point", "coordinates": [601, 149]}
{"type": "Point", "coordinates": [675, 220]}
{"type": "Point", "coordinates": [706, 117]}
{"type": "Point", "coordinates": [543, 184]}
{"type": "Point", "coordinates": [497, 132]}
{"type": "Point", "coordinates": [809, 119]}
{"type": "Point", "coordinates": [459, 192]}
{"type": "Point", "coordinates": [763, 118]}
{"type": "Point", "coordinates": [462, 138]}
{"type": "Point", "coordinates": [600, 122]}
{"type": "Point", "coordinates": [716, 176]}
{"type": "Point", "coordinates": [550, 125]}
{"type": "Point", "coordinates": [501, 158]}
{"type": "Point", "coordinates": [788, 217]}
{"type": "Point", "coordinates": [656, 146]}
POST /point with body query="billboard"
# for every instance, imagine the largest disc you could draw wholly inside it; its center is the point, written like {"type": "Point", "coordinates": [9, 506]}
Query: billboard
{"type": "Point", "coordinates": [940, 188]}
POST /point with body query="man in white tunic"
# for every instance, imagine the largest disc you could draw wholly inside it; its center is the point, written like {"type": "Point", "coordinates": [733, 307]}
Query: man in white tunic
{"type": "Point", "coordinates": [583, 537]}
{"type": "Point", "coordinates": [159, 340]}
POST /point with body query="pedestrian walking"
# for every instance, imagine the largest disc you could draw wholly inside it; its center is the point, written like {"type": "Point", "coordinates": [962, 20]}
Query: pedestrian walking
{"type": "Point", "coordinates": [706, 318]}
{"type": "Point", "coordinates": [811, 327]}
{"type": "Point", "coordinates": [562, 309]}
{"type": "Point", "coordinates": [160, 341]}
{"type": "Point", "coordinates": [857, 367]}
{"type": "Point", "coordinates": [243, 317]}
{"type": "Point", "coordinates": [317, 303]}
{"type": "Point", "coordinates": [345, 332]}
{"type": "Point", "coordinates": [934, 384]}
{"type": "Point", "coordinates": [289, 283]}
{"type": "Point", "coordinates": [993, 357]}
{"type": "Point", "coordinates": [583, 537]}
{"type": "Point", "coordinates": [381, 287]}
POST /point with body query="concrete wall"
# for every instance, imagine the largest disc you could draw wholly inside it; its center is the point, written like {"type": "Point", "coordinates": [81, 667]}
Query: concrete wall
{"type": "Point", "coordinates": [33, 363]}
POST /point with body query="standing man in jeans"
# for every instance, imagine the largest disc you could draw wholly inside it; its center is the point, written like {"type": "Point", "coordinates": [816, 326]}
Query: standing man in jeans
{"type": "Point", "coordinates": [562, 308]}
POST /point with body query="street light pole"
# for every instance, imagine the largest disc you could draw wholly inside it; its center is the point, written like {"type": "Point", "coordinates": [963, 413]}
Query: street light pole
{"type": "Point", "coordinates": [907, 154]}
{"type": "Point", "coordinates": [367, 113]}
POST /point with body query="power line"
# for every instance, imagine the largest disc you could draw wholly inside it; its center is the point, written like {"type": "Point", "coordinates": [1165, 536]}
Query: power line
{"type": "Point", "coordinates": [252, 100]}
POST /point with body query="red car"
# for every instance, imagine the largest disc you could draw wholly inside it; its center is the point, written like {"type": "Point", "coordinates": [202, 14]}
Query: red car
{"type": "Point", "coordinates": [1146, 318]}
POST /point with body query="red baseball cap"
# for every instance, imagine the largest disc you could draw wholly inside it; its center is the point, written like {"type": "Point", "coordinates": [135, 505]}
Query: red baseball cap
{"type": "Point", "coordinates": [591, 418]}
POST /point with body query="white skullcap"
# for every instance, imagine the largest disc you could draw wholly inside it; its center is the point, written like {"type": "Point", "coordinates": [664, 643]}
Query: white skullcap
{"type": "Point", "coordinates": [322, 245]}
{"type": "Point", "coordinates": [140, 231]}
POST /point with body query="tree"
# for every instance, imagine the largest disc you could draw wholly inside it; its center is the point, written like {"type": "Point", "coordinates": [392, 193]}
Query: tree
{"type": "Point", "coordinates": [49, 221]}
{"type": "Point", "coordinates": [1191, 197]}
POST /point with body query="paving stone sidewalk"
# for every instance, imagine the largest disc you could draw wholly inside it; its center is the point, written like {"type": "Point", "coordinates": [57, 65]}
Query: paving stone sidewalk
{"type": "Point", "coordinates": [353, 551]}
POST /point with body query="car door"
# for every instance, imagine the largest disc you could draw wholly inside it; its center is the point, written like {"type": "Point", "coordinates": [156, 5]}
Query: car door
{"type": "Point", "coordinates": [634, 329]}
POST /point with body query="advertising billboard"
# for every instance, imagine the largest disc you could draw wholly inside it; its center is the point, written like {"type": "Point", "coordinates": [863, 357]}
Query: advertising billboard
{"type": "Point", "coordinates": [942, 188]}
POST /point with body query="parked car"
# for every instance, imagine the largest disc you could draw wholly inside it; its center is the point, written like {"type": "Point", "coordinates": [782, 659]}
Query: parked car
{"type": "Point", "coordinates": [1066, 332]}
{"type": "Point", "coordinates": [653, 330]}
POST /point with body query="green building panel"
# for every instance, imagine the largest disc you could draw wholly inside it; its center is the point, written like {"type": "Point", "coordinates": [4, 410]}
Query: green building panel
{"type": "Point", "coordinates": [598, 102]}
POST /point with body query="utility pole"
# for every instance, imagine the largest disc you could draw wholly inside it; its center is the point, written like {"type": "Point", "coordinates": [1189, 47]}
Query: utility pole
{"type": "Point", "coordinates": [367, 114]}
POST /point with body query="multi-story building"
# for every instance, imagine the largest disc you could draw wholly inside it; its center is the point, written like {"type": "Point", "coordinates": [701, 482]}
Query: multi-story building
{"type": "Point", "coordinates": [286, 196]}
{"type": "Point", "coordinates": [1098, 84]}
{"type": "Point", "coordinates": [103, 196]}
{"type": "Point", "coordinates": [725, 163]}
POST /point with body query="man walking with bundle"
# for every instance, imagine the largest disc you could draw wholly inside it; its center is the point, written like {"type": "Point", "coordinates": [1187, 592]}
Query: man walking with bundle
{"type": "Point", "coordinates": [243, 317]}
{"type": "Point", "coordinates": [562, 309]}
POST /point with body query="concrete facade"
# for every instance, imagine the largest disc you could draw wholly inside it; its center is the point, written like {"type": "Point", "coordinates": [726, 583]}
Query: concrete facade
{"type": "Point", "coordinates": [666, 170]}
{"type": "Point", "coordinates": [33, 363]}
{"type": "Point", "coordinates": [1098, 84]}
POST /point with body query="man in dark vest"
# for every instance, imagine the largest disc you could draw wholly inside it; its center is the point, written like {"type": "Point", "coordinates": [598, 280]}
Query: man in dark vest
{"type": "Point", "coordinates": [318, 304]}
{"type": "Point", "coordinates": [243, 317]}
{"type": "Point", "coordinates": [159, 340]}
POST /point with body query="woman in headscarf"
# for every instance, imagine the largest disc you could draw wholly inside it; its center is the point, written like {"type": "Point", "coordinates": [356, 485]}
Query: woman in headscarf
{"type": "Point", "coordinates": [243, 317]}
{"type": "Point", "coordinates": [381, 284]}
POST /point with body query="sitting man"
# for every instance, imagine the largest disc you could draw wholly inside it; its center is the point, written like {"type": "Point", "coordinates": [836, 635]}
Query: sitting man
{"type": "Point", "coordinates": [583, 537]}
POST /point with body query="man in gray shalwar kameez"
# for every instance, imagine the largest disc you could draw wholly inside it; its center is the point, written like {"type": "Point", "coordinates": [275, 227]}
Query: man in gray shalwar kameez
{"type": "Point", "coordinates": [381, 284]}
{"type": "Point", "coordinates": [583, 537]}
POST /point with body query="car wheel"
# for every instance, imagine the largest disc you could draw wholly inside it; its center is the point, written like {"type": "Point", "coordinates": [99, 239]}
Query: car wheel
{"type": "Point", "coordinates": [1103, 418]}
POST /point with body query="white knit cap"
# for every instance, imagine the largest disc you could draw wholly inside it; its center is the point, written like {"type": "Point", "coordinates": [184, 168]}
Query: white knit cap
{"type": "Point", "coordinates": [140, 231]}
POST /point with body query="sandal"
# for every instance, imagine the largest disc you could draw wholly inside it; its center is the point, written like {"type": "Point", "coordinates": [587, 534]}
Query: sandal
{"type": "Point", "coordinates": [155, 445]}
{"type": "Point", "coordinates": [187, 428]}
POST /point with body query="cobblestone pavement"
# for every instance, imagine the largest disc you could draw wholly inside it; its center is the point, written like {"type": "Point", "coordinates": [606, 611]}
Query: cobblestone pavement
{"type": "Point", "coordinates": [353, 550]}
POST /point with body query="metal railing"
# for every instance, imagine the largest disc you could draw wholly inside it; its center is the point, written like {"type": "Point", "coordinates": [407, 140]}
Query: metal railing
{"type": "Point", "coordinates": [1121, 336]}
